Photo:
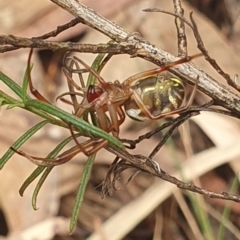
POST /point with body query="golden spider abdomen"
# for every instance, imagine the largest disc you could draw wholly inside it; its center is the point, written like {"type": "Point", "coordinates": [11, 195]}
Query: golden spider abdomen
{"type": "Point", "coordinates": [160, 94]}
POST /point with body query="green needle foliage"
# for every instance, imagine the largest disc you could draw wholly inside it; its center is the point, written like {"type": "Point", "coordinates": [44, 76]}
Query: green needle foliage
{"type": "Point", "coordinates": [53, 115]}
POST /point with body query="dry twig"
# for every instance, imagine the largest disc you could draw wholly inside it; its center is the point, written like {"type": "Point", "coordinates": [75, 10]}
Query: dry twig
{"type": "Point", "coordinates": [137, 47]}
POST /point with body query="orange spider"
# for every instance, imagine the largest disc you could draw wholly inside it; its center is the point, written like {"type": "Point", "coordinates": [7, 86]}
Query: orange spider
{"type": "Point", "coordinates": [149, 95]}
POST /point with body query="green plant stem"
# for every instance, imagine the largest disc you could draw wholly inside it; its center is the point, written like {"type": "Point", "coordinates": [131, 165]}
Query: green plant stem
{"type": "Point", "coordinates": [12, 101]}
{"type": "Point", "coordinates": [75, 121]}
{"type": "Point", "coordinates": [81, 191]}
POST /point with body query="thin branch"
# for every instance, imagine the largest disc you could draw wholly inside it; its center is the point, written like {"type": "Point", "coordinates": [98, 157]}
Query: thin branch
{"type": "Point", "coordinates": [182, 40]}
{"type": "Point", "coordinates": [177, 121]}
{"type": "Point", "coordinates": [20, 42]}
{"type": "Point", "coordinates": [141, 48]}
{"type": "Point", "coordinates": [53, 33]}
{"type": "Point", "coordinates": [233, 83]}
{"type": "Point", "coordinates": [91, 18]}
{"type": "Point", "coordinates": [187, 71]}
{"type": "Point", "coordinates": [147, 165]}
{"type": "Point", "coordinates": [208, 58]}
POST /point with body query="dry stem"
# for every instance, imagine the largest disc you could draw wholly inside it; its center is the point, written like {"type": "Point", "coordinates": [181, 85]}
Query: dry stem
{"type": "Point", "coordinates": [137, 47]}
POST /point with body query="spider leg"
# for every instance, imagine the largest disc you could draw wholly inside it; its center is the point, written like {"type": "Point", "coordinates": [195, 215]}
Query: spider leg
{"type": "Point", "coordinates": [116, 122]}
{"type": "Point", "coordinates": [61, 159]}
{"type": "Point", "coordinates": [33, 90]}
{"type": "Point", "coordinates": [102, 118]}
{"type": "Point", "coordinates": [95, 144]}
{"type": "Point", "coordinates": [114, 118]}
{"type": "Point", "coordinates": [121, 115]}
{"type": "Point", "coordinates": [98, 77]}
{"type": "Point", "coordinates": [117, 116]}
{"type": "Point", "coordinates": [61, 97]}
{"type": "Point", "coordinates": [71, 81]}
{"type": "Point", "coordinates": [65, 156]}
{"type": "Point", "coordinates": [79, 72]}
{"type": "Point", "coordinates": [68, 69]}
{"type": "Point", "coordinates": [158, 70]}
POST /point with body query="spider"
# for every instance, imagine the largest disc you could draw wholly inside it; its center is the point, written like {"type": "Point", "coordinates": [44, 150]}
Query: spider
{"type": "Point", "coordinates": [149, 95]}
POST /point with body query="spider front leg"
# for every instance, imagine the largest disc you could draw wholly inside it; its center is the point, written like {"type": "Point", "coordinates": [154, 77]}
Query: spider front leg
{"type": "Point", "coordinates": [33, 90]}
